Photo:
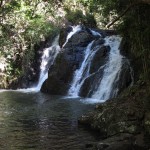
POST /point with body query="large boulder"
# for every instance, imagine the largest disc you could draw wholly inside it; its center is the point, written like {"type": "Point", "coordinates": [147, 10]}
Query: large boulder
{"type": "Point", "coordinates": [71, 57]}
{"type": "Point", "coordinates": [124, 120]}
{"type": "Point", "coordinates": [68, 60]}
{"type": "Point", "coordinates": [60, 74]}
{"type": "Point", "coordinates": [96, 70]}
{"type": "Point", "coordinates": [100, 58]}
{"type": "Point", "coordinates": [80, 39]}
{"type": "Point", "coordinates": [114, 117]}
{"type": "Point", "coordinates": [126, 76]}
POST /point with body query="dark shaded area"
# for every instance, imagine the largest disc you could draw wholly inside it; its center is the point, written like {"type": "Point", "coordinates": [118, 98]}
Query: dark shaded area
{"type": "Point", "coordinates": [71, 57]}
{"type": "Point", "coordinates": [67, 61]}
{"type": "Point", "coordinates": [32, 70]}
{"type": "Point", "coordinates": [123, 121]}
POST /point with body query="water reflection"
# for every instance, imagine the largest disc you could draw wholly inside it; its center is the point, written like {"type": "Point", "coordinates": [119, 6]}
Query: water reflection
{"type": "Point", "coordinates": [37, 121]}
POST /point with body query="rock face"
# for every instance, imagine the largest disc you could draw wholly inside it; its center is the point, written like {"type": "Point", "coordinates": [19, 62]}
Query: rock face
{"type": "Point", "coordinates": [67, 61]}
{"type": "Point", "coordinates": [126, 76]}
{"type": "Point", "coordinates": [96, 70]}
{"type": "Point", "coordinates": [123, 121]}
{"type": "Point", "coordinates": [71, 57]}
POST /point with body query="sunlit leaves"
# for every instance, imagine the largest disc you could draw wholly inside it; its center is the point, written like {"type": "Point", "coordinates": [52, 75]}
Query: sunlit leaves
{"type": "Point", "coordinates": [23, 23]}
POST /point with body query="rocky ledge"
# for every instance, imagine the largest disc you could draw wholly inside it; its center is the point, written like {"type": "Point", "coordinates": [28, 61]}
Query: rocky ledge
{"type": "Point", "coordinates": [124, 122]}
{"type": "Point", "coordinates": [70, 59]}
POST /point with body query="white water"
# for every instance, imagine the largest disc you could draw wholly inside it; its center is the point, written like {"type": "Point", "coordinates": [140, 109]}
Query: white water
{"type": "Point", "coordinates": [48, 57]}
{"type": "Point", "coordinates": [91, 100]}
{"type": "Point", "coordinates": [75, 29]}
{"type": "Point", "coordinates": [110, 75]}
{"type": "Point", "coordinates": [95, 33]}
{"type": "Point", "coordinates": [111, 71]}
{"type": "Point", "coordinates": [79, 75]}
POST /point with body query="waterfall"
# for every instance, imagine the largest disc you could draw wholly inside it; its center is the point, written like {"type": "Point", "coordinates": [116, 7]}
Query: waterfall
{"type": "Point", "coordinates": [95, 33]}
{"type": "Point", "coordinates": [100, 74]}
{"type": "Point", "coordinates": [111, 71]}
{"type": "Point", "coordinates": [75, 29]}
{"type": "Point", "coordinates": [80, 74]}
{"type": "Point", "coordinates": [48, 57]}
{"type": "Point", "coordinates": [83, 72]}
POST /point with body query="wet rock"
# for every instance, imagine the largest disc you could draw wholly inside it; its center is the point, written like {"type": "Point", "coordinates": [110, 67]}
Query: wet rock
{"type": "Point", "coordinates": [91, 83]}
{"type": "Point", "coordinates": [123, 121]}
{"type": "Point", "coordinates": [59, 75]}
{"type": "Point", "coordinates": [99, 41]}
{"type": "Point", "coordinates": [80, 39]}
{"type": "Point", "coordinates": [122, 141]}
{"type": "Point", "coordinates": [67, 61]}
{"type": "Point", "coordinates": [63, 35]}
{"type": "Point", "coordinates": [48, 87]}
{"type": "Point", "coordinates": [100, 58]}
{"type": "Point", "coordinates": [87, 85]}
{"type": "Point", "coordinates": [96, 71]}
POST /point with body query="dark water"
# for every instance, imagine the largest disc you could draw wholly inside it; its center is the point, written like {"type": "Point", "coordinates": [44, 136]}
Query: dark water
{"type": "Point", "coordinates": [35, 121]}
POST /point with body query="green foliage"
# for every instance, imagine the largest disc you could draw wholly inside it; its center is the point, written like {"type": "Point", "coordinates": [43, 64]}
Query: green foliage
{"type": "Point", "coordinates": [77, 17]}
{"type": "Point", "coordinates": [22, 25]}
{"type": "Point", "coordinates": [133, 25]}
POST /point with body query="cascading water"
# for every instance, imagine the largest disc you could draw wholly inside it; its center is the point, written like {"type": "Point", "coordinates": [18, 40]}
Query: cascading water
{"type": "Point", "coordinates": [105, 79]}
{"type": "Point", "coordinates": [112, 70]}
{"type": "Point", "coordinates": [83, 72]}
{"type": "Point", "coordinates": [110, 74]}
{"type": "Point", "coordinates": [48, 57]}
{"type": "Point", "coordinates": [79, 75]}
{"type": "Point", "coordinates": [75, 29]}
{"type": "Point", "coordinates": [95, 33]}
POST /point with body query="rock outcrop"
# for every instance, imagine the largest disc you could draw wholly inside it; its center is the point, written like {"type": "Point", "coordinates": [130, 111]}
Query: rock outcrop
{"type": "Point", "coordinates": [67, 61]}
{"type": "Point", "coordinates": [123, 121]}
{"type": "Point", "coordinates": [96, 70]}
{"type": "Point", "coordinates": [31, 68]}
{"type": "Point", "coordinates": [71, 56]}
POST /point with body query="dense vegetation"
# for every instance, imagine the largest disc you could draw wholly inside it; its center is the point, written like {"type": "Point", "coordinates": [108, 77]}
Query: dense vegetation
{"type": "Point", "coordinates": [25, 23]}
{"type": "Point", "coordinates": [22, 25]}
